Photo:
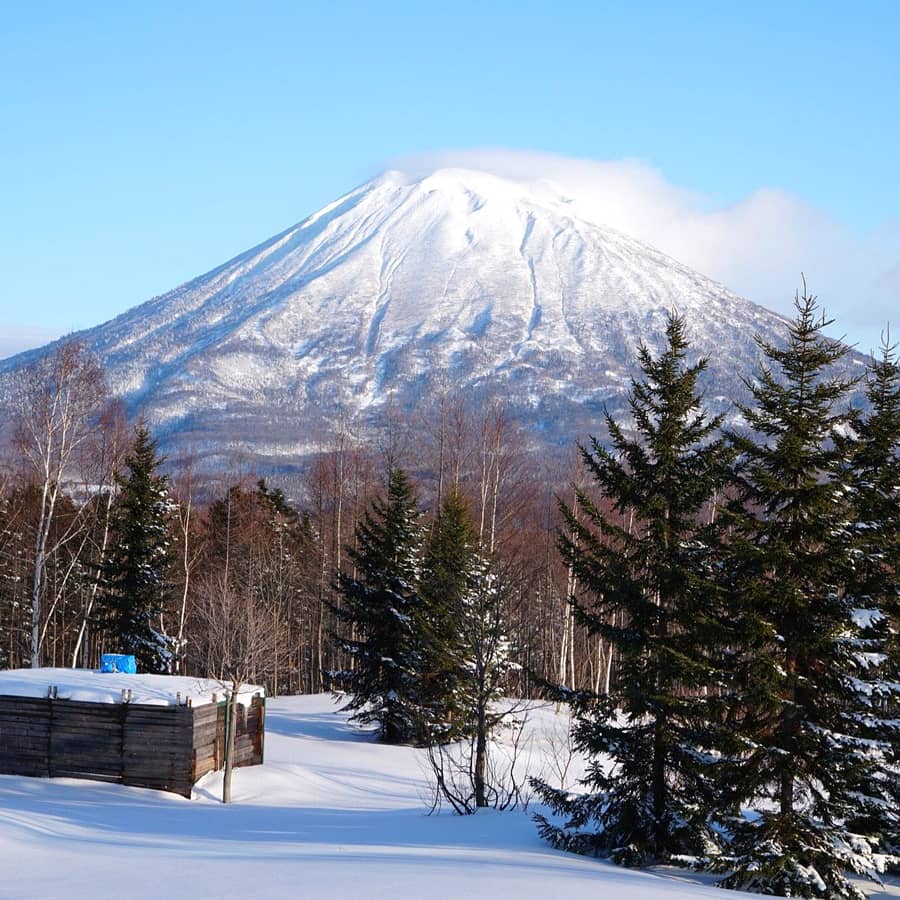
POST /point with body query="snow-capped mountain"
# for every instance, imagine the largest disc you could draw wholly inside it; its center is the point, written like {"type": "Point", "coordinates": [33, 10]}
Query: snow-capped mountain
{"type": "Point", "coordinates": [481, 282]}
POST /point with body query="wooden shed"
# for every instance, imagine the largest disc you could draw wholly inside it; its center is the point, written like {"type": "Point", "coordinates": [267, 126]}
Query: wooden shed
{"type": "Point", "coordinates": [151, 731]}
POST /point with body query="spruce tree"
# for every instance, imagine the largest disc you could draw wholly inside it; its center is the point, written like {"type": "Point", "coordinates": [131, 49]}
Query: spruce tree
{"type": "Point", "coordinates": [795, 685]}
{"type": "Point", "coordinates": [649, 590]}
{"type": "Point", "coordinates": [136, 587]}
{"type": "Point", "coordinates": [874, 452]}
{"type": "Point", "coordinates": [465, 660]}
{"type": "Point", "coordinates": [378, 614]}
{"type": "Point", "coordinates": [450, 569]}
{"type": "Point", "coordinates": [486, 666]}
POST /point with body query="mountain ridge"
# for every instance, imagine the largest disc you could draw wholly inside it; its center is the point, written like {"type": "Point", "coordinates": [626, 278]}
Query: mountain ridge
{"type": "Point", "coordinates": [496, 286]}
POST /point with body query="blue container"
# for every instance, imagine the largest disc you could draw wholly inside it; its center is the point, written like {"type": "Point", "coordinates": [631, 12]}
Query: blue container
{"type": "Point", "coordinates": [118, 662]}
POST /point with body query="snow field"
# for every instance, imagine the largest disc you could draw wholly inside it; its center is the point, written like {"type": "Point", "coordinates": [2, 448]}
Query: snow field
{"type": "Point", "coordinates": [330, 814]}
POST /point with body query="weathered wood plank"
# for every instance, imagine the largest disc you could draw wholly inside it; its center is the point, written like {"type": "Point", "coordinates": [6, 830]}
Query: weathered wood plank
{"type": "Point", "coordinates": [62, 705]}
{"type": "Point", "coordinates": [161, 747]}
{"type": "Point", "coordinates": [113, 776]}
{"type": "Point", "coordinates": [157, 748]}
{"type": "Point", "coordinates": [158, 759]}
{"type": "Point", "coordinates": [178, 786]}
{"type": "Point", "coordinates": [29, 708]}
{"type": "Point", "coordinates": [79, 768]}
{"type": "Point", "coordinates": [24, 745]}
{"type": "Point", "coordinates": [76, 756]}
{"type": "Point", "coordinates": [24, 768]}
{"type": "Point", "coordinates": [160, 763]}
{"type": "Point", "coordinates": [206, 728]}
{"type": "Point", "coordinates": [204, 735]}
{"type": "Point", "coordinates": [157, 728]}
{"type": "Point", "coordinates": [92, 776]}
{"type": "Point", "coordinates": [9, 731]}
{"type": "Point", "coordinates": [32, 768]}
{"type": "Point", "coordinates": [66, 716]}
{"type": "Point", "coordinates": [206, 713]}
{"type": "Point", "coordinates": [157, 732]}
{"type": "Point", "coordinates": [158, 776]}
{"type": "Point", "coordinates": [87, 749]}
{"type": "Point", "coordinates": [31, 757]}
{"type": "Point", "coordinates": [22, 702]}
{"type": "Point", "coordinates": [101, 741]}
{"type": "Point", "coordinates": [172, 718]}
{"type": "Point", "coordinates": [138, 711]}
{"type": "Point", "coordinates": [25, 715]}
{"type": "Point", "coordinates": [100, 729]}
{"type": "Point", "coordinates": [149, 770]}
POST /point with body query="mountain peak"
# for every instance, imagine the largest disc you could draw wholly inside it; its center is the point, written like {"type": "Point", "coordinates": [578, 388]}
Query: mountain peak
{"type": "Point", "coordinates": [490, 283]}
{"type": "Point", "coordinates": [454, 182]}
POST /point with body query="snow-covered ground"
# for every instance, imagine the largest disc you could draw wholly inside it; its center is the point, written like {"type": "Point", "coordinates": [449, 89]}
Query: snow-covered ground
{"type": "Point", "coordinates": [93, 686]}
{"type": "Point", "coordinates": [330, 814]}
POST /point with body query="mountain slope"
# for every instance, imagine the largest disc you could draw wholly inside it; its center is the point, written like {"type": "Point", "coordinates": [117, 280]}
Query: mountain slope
{"type": "Point", "coordinates": [485, 283]}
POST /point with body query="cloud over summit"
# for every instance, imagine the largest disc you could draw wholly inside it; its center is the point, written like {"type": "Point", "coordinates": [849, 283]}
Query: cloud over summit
{"type": "Point", "coordinates": [758, 246]}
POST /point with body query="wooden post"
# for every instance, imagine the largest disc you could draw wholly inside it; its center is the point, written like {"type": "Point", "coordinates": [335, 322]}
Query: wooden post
{"type": "Point", "coordinates": [261, 733]}
{"type": "Point", "coordinates": [230, 728]}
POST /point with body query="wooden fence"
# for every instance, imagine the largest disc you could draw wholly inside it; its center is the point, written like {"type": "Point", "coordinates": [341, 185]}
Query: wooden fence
{"type": "Point", "coordinates": [162, 747]}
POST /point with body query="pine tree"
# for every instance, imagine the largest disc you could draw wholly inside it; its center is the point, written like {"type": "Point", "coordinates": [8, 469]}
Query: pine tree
{"type": "Point", "coordinates": [649, 590]}
{"type": "Point", "coordinates": [795, 683]}
{"type": "Point", "coordinates": [875, 589]}
{"type": "Point", "coordinates": [380, 606]}
{"type": "Point", "coordinates": [136, 586]}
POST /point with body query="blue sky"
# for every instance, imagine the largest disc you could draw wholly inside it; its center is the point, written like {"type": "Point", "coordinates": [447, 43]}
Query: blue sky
{"type": "Point", "coordinates": [141, 147]}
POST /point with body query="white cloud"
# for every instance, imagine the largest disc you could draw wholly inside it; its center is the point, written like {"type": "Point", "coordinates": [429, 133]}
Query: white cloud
{"type": "Point", "coordinates": [757, 247]}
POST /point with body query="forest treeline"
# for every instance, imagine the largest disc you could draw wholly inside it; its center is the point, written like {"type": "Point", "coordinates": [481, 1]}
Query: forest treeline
{"type": "Point", "coordinates": [241, 570]}
{"type": "Point", "coordinates": [717, 598]}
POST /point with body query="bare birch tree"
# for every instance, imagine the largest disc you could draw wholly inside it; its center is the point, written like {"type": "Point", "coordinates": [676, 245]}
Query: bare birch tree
{"type": "Point", "coordinates": [239, 643]}
{"type": "Point", "coordinates": [57, 401]}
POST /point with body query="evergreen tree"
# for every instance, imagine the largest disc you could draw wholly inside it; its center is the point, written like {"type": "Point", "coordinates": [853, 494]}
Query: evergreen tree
{"type": "Point", "coordinates": [486, 666]}
{"type": "Point", "coordinates": [276, 501]}
{"type": "Point", "coordinates": [450, 571]}
{"type": "Point", "coordinates": [796, 681]}
{"type": "Point", "coordinates": [649, 590]}
{"type": "Point", "coordinates": [875, 589]}
{"type": "Point", "coordinates": [379, 610]}
{"type": "Point", "coordinates": [465, 660]}
{"type": "Point", "coordinates": [136, 577]}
